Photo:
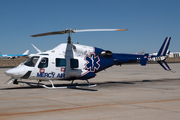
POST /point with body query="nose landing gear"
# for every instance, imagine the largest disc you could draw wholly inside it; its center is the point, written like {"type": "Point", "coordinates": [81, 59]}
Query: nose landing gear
{"type": "Point", "coordinates": [14, 80]}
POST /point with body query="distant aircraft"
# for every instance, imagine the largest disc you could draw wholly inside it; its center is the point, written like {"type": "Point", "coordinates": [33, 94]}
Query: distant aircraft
{"type": "Point", "coordinates": [10, 56]}
{"type": "Point", "coordinates": [168, 55]}
{"type": "Point", "coordinates": [173, 54]}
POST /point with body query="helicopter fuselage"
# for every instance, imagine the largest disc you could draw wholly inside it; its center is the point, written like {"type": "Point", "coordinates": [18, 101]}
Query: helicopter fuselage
{"type": "Point", "coordinates": [52, 64]}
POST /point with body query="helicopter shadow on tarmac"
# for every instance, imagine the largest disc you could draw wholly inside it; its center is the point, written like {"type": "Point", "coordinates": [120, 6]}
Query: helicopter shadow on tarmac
{"type": "Point", "coordinates": [33, 85]}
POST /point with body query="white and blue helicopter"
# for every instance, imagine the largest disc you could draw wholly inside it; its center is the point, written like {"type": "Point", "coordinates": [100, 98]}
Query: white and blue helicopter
{"type": "Point", "coordinates": [71, 62]}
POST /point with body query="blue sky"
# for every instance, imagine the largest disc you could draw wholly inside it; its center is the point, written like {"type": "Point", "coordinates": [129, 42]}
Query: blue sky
{"type": "Point", "coordinates": [148, 23]}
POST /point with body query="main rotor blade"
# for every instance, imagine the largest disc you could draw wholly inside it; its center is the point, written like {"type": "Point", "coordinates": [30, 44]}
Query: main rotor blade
{"type": "Point", "coordinates": [49, 33]}
{"type": "Point", "coordinates": [74, 30]}
{"type": "Point", "coordinates": [91, 30]}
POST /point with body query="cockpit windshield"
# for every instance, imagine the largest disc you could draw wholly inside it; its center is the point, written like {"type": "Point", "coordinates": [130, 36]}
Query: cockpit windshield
{"type": "Point", "coordinates": [31, 62]}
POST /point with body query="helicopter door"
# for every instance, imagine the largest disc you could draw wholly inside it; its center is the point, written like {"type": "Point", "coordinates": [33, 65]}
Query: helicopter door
{"type": "Point", "coordinates": [60, 67]}
{"type": "Point", "coordinates": [57, 68]}
{"type": "Point", "coordinates": [43, 69]}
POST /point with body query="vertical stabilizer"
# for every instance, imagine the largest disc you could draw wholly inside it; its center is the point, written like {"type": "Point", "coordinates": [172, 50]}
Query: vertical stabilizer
{"type": "Point", "coordinates": [164, 47]}
{"type": "Point", "coordinates": [26, 52]}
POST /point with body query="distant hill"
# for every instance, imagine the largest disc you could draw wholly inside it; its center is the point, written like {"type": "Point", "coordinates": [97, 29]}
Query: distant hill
{"type": "Point", "coordinates": [12, 62]}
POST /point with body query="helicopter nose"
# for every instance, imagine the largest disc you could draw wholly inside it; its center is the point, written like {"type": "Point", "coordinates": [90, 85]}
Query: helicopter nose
{"type": "Point", "coordinates": [16, 72]}
{"type": "Point", "coordinates": [10, 72]}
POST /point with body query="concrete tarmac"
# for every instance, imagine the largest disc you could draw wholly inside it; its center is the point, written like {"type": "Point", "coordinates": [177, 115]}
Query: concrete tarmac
{"type": "Point", "coordinates": [129, 92]}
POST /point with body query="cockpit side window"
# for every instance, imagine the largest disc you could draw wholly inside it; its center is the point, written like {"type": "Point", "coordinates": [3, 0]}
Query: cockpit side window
{"type": "Point", "coordinates": [43, 63]}
{"type": "Point", "coordinates": [31, 62]}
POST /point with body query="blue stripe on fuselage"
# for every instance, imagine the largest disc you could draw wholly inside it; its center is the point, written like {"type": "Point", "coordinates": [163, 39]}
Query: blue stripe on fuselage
{"type": "Point", "coordinates": [117, 58]}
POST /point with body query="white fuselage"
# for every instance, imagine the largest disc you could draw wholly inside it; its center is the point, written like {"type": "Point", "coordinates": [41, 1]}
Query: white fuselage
{"type": "Point", "coordinates": [62, 62]}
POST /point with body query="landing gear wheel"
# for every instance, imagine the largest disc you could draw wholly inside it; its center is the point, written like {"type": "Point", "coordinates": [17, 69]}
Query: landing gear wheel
{"type": "Point", "coordinates": [15, 82]}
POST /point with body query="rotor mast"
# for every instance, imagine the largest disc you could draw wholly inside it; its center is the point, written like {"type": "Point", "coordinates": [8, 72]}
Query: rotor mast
{"type": "Point", "coordinates": [69, 38]}
{"type": "Point", "coordinates": [69, 31]}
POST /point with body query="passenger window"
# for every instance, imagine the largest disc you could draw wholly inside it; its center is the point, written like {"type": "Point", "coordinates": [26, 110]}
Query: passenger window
{"type": "Point", "coordinates": [60, 62]}
{"type": "Point", "coordinates": [74, 63]}
{"type": "Point", "coordinates": [43, 63]}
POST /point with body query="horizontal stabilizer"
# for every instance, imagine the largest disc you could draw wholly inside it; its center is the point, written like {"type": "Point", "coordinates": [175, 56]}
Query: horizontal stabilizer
{"type": "Point", "coordinates": [164, 47]}
{"type": "Point", "coordinates": [164, 65]}
{"type": "Point", "coordinates": [144, 59]}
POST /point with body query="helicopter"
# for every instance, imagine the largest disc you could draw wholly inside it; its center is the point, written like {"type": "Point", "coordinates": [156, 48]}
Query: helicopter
{"type": "Point", "coordinates": [71, 62]}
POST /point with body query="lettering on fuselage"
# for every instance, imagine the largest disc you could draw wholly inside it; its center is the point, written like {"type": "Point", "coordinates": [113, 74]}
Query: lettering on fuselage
{"type": "Point", "coordinates": [51, 75]}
